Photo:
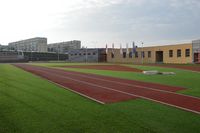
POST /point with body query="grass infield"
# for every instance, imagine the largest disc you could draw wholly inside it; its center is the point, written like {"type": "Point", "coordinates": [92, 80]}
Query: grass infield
{"type": "Point", "coordinates": [31, 104]}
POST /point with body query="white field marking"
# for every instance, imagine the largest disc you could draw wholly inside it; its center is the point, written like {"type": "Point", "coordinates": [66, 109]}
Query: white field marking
{"type": "Point", "coordinates": [108, 88]}
{"type": "Point", "coordinates": [76, 92]}
{"type": "Point", "coordinates": [187, 70]}
{"type": "Point", "coordinates": [190, 70]}
{"type": "Point", "coordinates": [138, 86]}
{"type": "Point", "coordinates": [66, 88]}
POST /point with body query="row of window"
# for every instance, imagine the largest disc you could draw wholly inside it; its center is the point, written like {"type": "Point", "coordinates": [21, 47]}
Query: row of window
{"type": "Point", "coordinates": [179, 53]}
{"type": "Point", "coordinates": [171, 52]}
{"type": "Point", "coordinates": [82, 54]}
{"type": "Point", "coordinates": [136, 54]}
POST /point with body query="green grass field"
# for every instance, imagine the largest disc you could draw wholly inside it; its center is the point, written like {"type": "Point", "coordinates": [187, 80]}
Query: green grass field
{"type": "Point", "coordinates": [31, 104]}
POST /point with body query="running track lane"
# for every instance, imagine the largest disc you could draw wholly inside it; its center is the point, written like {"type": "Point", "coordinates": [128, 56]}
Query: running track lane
{"type": "Point", "coordinates": [107, 90]}
{"type": "Point", "coordinates": [105, 67]}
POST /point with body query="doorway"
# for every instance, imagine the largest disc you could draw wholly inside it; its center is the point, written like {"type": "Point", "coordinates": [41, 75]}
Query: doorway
{"type": "Point", "coordinates": [159, 56]}
{"type": "Point", "coordinates": [196, 57]}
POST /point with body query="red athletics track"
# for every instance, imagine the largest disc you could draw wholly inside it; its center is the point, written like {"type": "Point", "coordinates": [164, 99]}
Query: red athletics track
{"type": "Point", "coordinates": [106, 67]}
{"type": "Point", "coordinates": [108, 89]}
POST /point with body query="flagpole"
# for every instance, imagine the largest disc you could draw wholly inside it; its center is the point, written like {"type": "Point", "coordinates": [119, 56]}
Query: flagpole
{"type": "Point", "coordinates": [127, 50]}
{"type": "Point", "coordinates": [106, 51]}
{"type": "Point", "coordinates": [142, 53]}
{"type": "Point", "coordinates": [133, 50]}
{"type": "Point", "coordinates": [86, 54]}
{"type": "Point", "coordinates": [113, 52]}
{"type": "Point", "coordinates": [120, 53]}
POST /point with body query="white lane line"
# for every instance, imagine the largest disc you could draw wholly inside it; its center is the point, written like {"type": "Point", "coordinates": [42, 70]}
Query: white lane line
{"type": "Point", "coordinates": [76, 92]}
{"type": "Point", "coordinates": [182, 69]}
{"type": "Point", "coordinates": [131, 85]}
{"type": "Point", "coordinates": [130, 94]}
{"type": "Point", "coordinates": [66, 87]}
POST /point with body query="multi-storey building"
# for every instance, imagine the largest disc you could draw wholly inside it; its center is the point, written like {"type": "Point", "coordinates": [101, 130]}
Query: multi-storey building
{"type": "Point", "coordinates": [37, 44]}
{"type": "Point", "coordinates": [3, 47]}
{"type": "Point", "coordinates": [62, 47]}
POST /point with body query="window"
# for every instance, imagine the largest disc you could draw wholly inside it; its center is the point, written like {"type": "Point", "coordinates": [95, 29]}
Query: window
{"type": "Point", "coordinates": [71, 54]}
{"type": "Point", "coordinates": [170, 53]}
{"type": "Point", "coordinates": [112, 55]}
{"type": "Point", "coordinates": [84, 54]}
{"type": "Point", "coordinates": [187, 52]}
{"type": "Point", "coordinates": [179, 53]}
{"type": "Point", "coordinates": [136, 54]}
{"type": "Point", "coordinates": [94, 53]}
{"type": "Point", "coordinates": [130, 54]}
{"type": "Point", "coordinates": [124, 54]}
{"type": "Point", "coordinates": [89, 53]}
{"type": "Point", "coordinates": [79, 53]}
{"type": "Point", "coordinates": [143, 54]}
{"type": "Point", "coordinates": [75, 54]}
{"type": "Point", "coordinates": [149, 54]}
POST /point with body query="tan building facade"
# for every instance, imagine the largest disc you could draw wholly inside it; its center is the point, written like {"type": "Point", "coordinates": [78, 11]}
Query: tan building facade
{"type": "Point", "coordinates": [178, 53]}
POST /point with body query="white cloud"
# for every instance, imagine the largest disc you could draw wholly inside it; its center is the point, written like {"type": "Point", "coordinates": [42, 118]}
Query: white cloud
{"type": "Point", "coordinates": [99, 20]}
{"type": "Point", "coordinates": [184, 3]}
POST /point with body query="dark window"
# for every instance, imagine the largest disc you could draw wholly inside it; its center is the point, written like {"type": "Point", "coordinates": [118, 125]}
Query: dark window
{"type": "Point", "coordinates": [75, 54]}
{"type": "Point", "coordinates": [149, 54]}
{"type": "Point", "coordinates": [94, 53]}
{"type": "Point", "coordinates": [187, 52]}
{"type": "Point", "coordinates": [179, 53]}
{"type": "Point", "coordinates": [84, 54]}
{"type": "Point", "coordinates": [79, 53]}
{"type": "Point", "coordinates": [112, 55]}
{"type": "Point", "coordinates": [130, 54]}
{"type": "Point", "coordinates": [170, 53]}
{"type": "Point", "coordinates": [136, 54]}
{"type": "Point", "coordinates": [124, 54]}
{"type": "Point", "coordinates": [89, 53]}
{"type": "Point", "coordinates": [143, 54]}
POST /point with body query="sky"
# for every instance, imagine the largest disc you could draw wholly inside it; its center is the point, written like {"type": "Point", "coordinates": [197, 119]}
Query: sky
{"type": "Point", "coordinates": [100, 22]}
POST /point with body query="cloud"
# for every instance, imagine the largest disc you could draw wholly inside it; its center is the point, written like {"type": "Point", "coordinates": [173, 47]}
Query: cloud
{"type": "Point", "coordinates": [100, 20]}
{"type": "Point", "coordinates": [184, 3]}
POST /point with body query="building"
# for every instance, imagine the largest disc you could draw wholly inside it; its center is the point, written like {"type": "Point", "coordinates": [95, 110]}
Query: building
{"type": "Point", "coordinates": [45, 56]}
{"type": "Point", "coordinates": [177, 53]}
{"type": "Point", "coordinates": [196, 51]}
{"type": "Point", "coordinates": [62, 47]}
{"type": "Point", "coordinates": [3, 47]}
{"type": "Point", "coordinates": [37, 44]}
{"type": "Point", "coordinates": [87, 55]}
{"type": "Point", "coordinates": [11, 56]}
